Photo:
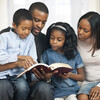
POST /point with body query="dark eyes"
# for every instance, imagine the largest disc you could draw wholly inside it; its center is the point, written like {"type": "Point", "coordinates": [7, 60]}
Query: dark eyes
{"type": "Point", "coordinates": [23, 29]}
{"type": "Point", "coordinates": [59, 39]}
{"type": "Point", "coordinates": [37, 20]}
{"type": "Point", "coordinates": [43, 22]}
{"type": "Point", "coordinates": [26, 28]}
{"type": "Point", "coordinates": [86, 31]}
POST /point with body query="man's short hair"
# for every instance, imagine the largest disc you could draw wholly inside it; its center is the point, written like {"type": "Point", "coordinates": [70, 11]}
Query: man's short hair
{"type": "Point", "coordinates": [40, 6]}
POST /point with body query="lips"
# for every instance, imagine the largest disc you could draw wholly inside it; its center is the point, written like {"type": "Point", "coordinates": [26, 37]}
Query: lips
{"type": "Point", "coordinates": [80, 37]}
{"type": "Point", "coordinates": [54, 47]}
{"type": "Point", "coordinates": [37, 30]}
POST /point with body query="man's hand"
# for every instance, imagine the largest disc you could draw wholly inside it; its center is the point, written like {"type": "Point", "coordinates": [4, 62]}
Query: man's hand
{"type": "Point", "coordinates": [94, 93]}
{"type": "Point", "coordinates": [43, 76]}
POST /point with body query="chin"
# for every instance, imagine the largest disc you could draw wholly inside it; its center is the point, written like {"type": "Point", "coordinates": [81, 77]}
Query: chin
{"type": "Point", "coordinates": [35, 33]}
{"type": "Point", "coordinates": [82, 39]}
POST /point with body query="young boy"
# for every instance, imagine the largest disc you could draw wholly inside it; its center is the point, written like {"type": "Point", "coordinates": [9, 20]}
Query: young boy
{"type": "Point", "coordinates": [39, 12]}
{"type": "Point", "coordinates": [16, 46]}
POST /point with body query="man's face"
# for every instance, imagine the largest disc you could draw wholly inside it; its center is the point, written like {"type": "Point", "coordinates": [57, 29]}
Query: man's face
{"type": "Point", "coordinates": [39, 20]}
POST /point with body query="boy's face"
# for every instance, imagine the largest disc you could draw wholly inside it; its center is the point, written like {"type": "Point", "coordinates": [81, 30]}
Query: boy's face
{"type": "Point", "coordinates": [39, 20]}
{"type": "Point", "coordinates": [23, 29]}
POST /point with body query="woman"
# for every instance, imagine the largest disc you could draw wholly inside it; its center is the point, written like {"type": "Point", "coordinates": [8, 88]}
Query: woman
{"type": "Point", "coordinates": [89, 48]}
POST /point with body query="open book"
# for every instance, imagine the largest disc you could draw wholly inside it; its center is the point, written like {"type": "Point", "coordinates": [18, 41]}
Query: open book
{"type": "Point", "coordinates": [60, 67]}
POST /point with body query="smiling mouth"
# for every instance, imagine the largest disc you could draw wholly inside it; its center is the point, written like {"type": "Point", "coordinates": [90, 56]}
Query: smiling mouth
{"type": "Point", "coordinates": [36, 30]}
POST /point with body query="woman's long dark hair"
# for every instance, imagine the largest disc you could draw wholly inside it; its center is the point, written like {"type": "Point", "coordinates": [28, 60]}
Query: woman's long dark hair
{"type": "Point", "coordinates": [70, 45]}
{"type": "Point", "coordinates": [94, 20]}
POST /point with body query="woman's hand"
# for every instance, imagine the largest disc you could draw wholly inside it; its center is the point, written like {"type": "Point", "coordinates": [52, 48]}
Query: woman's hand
{"type": "Point", "coordinates": [94, 93]}
{"type": "Point", "coordinates": [43, 76]}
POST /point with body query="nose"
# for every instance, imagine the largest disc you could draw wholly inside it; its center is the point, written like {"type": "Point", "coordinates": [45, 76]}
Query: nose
{"type": "Point", "coordinates": [54, 41]}
{"type": "Point", "coordinates": [81, 31]}
{"type": "Point", "coordinates": [27, 32]}
{"type": "Point", "coordinates": [39, 24]}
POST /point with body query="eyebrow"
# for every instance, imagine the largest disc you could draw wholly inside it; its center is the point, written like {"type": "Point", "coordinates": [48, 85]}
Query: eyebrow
{"type": "Point", "coordinates": [39, 19]}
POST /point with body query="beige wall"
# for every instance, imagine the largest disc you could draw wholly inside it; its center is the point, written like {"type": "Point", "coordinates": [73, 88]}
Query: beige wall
{"type": "Point", "coordinates": [94, 5]}
{"type": "Point", "coordinates": [3, 14]}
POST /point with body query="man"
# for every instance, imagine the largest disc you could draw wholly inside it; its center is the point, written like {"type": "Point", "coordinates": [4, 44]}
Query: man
{"type": "Point", "coordinates": [41, 90]}
{"type": "Point", "coordinates": [39, 13]}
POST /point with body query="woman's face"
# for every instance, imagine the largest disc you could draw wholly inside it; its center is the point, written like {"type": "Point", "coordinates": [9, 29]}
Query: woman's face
{"type": "Point", "coordinates": [84, 30]}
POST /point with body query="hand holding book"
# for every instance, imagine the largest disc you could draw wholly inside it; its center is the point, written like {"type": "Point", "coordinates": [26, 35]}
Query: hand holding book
{"type": "Point", "coordinates": [60, 67]}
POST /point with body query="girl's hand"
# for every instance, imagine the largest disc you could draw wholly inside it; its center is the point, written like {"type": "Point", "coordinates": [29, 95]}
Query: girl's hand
{"type": "Point", "coordinates": [94, 93]}
{"type": "Point", "coordinates": [43, 76]}
{"type": "Point", "coordinates": [65, 75]}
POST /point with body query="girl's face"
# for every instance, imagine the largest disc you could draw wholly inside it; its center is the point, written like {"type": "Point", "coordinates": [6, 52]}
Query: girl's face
{"type": "Point", "coordinates": [84, 30]}
{"type": "Point", "coordinates": [23, 29]}
{"type": "Point", "coordinates": [57, 39]}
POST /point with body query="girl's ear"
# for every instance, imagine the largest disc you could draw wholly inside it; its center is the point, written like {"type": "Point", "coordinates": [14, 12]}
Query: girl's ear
{"type": "Point", "coordinates": [14, 25]}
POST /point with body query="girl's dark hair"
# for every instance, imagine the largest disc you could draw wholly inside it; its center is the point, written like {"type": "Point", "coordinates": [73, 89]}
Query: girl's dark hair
{"type": "Point", "coordinates": [94, 20]}
{"type": "Point", "coordinates": [70, 45]}
{"type": "Point", "coordinates": [20, 15]}
{"type": "Point", "coordinates": [40, 6]}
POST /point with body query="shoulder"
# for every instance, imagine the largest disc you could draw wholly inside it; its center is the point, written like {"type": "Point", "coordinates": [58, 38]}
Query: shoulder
{"type": "Point", "coordinates": [42, 35]}
{"type": "Point", "coordinates": [48, 50]}
{"type": "Point", "coordinates": [5, 30]}
{"type": "Point", "coordinates": [46, 56]}
{"type": "Point", "coordinates": [5, 34]}
{"type": "Point", "coordinates": [77, 54]}
{"type": "Point", "coordinates": [31, 36]}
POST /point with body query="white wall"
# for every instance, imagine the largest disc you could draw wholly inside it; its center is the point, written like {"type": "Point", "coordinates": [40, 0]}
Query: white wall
{"type": "Point", "coordinates": [94, 5]}
{"type": "Point", "coordinates": [57, 13]}
{"type": "Point", "coordinates": [3, 14]}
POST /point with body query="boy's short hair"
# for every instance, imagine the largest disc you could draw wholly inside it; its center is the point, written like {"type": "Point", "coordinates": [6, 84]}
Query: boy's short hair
{"type": "Point", "coordinates": [40, 6]}
{"type": "Point", "coordinates": [20, 15]}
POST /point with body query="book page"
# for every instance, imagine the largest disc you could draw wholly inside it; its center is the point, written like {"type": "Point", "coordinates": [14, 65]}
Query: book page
{"type": "Point", "coordinates": [58, 65]}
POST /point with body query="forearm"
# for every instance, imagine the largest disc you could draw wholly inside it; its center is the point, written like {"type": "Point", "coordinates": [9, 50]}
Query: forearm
{"type": "Point", "coordinates": [5, 58]}
{"type": "Point", "coordinates": [8, 66]}
{"type": "Point", "coordinates": [77, 77]}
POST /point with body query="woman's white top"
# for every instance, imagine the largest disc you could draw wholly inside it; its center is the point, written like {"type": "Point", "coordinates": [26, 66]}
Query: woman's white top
{"type": "Point", "coordinates": [92, 63]}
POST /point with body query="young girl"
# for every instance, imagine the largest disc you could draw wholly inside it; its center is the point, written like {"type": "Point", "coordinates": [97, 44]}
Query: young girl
{"type": "Point", "coordinates": [62, 48]}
